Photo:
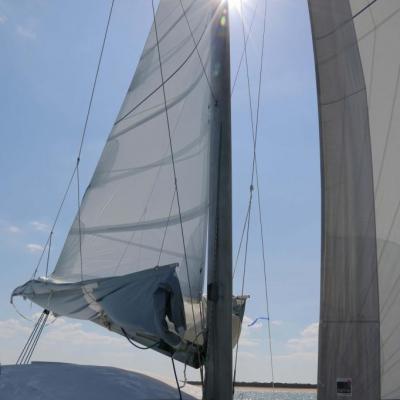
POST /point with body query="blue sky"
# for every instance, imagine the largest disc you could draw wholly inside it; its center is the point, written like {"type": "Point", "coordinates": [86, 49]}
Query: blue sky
{"type": "Point", "coordinates": [49, 51]}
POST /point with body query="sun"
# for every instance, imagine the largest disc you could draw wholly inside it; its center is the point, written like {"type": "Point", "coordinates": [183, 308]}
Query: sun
{"type": "Point", "coordinates": [236, 5]}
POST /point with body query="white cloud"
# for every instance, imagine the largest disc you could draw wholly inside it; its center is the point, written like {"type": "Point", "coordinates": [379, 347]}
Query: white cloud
{"type": "Point", "coordinates": [307, 341]}
{"type": "Point", "coordinates": [308, 355]}
{"type": "Point", "coordinates": [13, 229]}
{"type": "Point", "coordinates": [277, 322]}
{"type": "Point", "coordinates": [80, 342]}
{"type": "Point", "coordinates": [34, 248]}
{"type": "Point", "coordinates": [296, 367]}
{"type": "Point", "coordinates": [246, 355]}
{"type": "Point", "coordinates": [311, 330]}
{"type": "Point", "coordinates": [59, 331]}
{"type": "Point", "coordinates": [7, 227]}
{"type": "Point", "coordinates": [3, 19]}
{"type": "Point", "coordinates": [299, 364]}
{"type": "Point", "coordinates": [73, 333]}
{"type": "Point", "coordinates": [65, 340]}
{"type": "Point", "coordinates": [40, 226]}
{"type": "Point", "coordinates": [26, 33]}
{"type": "Point", "coordinates": [246, 341]}
{"type": "Point", "coordinates": [10, 327]}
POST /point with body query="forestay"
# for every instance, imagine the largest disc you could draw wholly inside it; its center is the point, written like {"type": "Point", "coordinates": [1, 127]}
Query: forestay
{"type": "Point", "coordinates": [130, 221]}
{"type": "Point", "coordinates": [357, 52]}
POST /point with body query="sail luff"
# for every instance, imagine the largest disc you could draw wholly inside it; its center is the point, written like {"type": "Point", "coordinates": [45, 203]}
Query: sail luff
{"type": "Point", "coordinates": [218, 379]}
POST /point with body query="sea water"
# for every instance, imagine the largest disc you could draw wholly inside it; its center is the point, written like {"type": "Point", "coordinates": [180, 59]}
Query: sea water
{"type": "Point", "coordinates": [281, 395]}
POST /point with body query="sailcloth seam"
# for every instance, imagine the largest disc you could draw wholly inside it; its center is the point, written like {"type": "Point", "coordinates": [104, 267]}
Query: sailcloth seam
{"type": "Point", "coordinates": [168, 78]}
{"type": "Point", "coordinates": [346, 21]}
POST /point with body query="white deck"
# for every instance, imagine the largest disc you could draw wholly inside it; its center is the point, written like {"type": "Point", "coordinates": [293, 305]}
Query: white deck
{"type": "Point", "coordinates": [59, 381]}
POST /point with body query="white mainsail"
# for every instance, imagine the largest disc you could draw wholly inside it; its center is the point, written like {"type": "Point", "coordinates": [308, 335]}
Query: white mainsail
{"type": "Point", "coordinates": [129, 214]}
{"type": "Point", "coordinates": [136, 251]}
{"type": "Point", "coordinates": [357, 52]}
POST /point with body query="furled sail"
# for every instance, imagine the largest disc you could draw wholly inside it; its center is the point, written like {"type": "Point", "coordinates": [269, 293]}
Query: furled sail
{"type": "Point", "coordinates": [137, 253]}
{"type": "Point", "coordinates": [357, 53]}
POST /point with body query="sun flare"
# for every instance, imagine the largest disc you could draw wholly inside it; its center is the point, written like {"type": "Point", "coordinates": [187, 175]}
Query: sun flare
{"type": "Point", "coordinates": [236, 5]}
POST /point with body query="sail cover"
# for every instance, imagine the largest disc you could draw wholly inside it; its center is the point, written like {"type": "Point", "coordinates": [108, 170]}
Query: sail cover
{"type": "Point", "coordinates": [357, 53]}
{"type": "Point", "coordinates": [130, 218]}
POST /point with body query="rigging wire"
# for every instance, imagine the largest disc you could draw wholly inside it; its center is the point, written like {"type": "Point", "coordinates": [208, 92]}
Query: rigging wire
{"type": "Point", "coordinates": [255, 175]}
{"type": "Point", "coordinates": [166, 228]}
{"type": "Point", "coordinates": [136, 345]}
{"type": "Point", "coordinates": [48, 254]}
{"type": "Point", "coordinates": [241, 242]}
{"type": "Point", "coordinates": [243, 279]}
{"type": "Point", "coordinates": [33, 339]}
{"type": "Point", "coordinates": [242, 55]}
{"type": "Point", "coordinates": [176, 379]}
{"type": "Point", "coordinates": [174, 170]}
{"type": "Point", "coordinates": [30, 339]}
{"type": "Point", "coordinates": [75, 170]}
{"type": "Point", "coordinates": [36, 340]}
{"type": "Point", "coordinates": [151, 346]}
{"type": "Point", "coordinates": [259, 205]}
{"type": "Point", "coordinates": [166, 80]}
{"type": "Point", "coordinates": [197, 50]}
{"type": "Point", "coordinates": [55, 222]}
{"type": "Point", "coordinates": [79, 216]}
{"type": "Point", "coordinates": [248, 216]}
{"type": "Point", "coordinates": [265, 285]}
{"type": "Point", "coordinates": [172, 156]}
{"type": "Point", "coordinates": [232, 91]}
{"type": "Point", "coordinates": [95, 80]}
{"type": "Point", "coordinates": [84, 134]}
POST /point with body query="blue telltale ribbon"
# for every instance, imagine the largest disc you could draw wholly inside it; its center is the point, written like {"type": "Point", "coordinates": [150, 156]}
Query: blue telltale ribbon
{"type": "Point", "coordinates": [257, 319]}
